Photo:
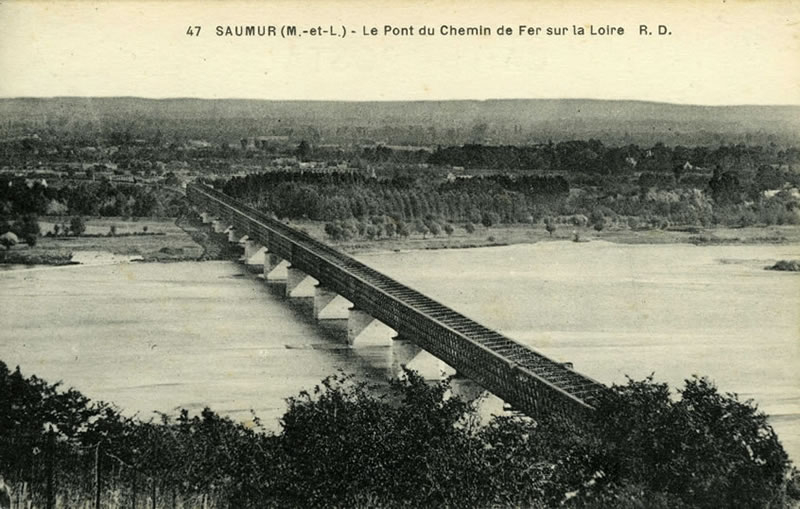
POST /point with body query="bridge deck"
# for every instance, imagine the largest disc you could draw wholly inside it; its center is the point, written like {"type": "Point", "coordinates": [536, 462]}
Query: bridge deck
{"type": "Point", "coordinates": [523, 377]}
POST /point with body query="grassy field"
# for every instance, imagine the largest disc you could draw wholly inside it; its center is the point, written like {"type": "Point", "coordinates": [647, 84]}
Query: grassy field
{"type": "Point", "coordinates": [164, 241]}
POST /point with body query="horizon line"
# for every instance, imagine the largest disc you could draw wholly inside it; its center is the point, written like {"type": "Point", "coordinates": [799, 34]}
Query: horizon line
{"type": "Point", "coordinates": [357, 101]}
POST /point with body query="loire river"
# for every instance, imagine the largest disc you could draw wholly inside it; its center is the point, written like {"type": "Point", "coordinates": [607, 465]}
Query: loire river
{"type": "Point", "coordinates": [161, 336]}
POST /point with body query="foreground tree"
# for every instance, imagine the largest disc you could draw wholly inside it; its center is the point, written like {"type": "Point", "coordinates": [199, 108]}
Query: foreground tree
{"type": "Point", "coordinates": [9, 239]}
{"type": "Point", "coordinates": [27, 227]}
{"type": "Point", "coordinates": [550, 225]}
{"type": "Point", "coordinates": [77, 225]}
{"type": "Point", "coordinates": [303, 150]}
{"type": "Point", "coordinates": [413, 444]}
{"type": "Point", "coordinates": [344, 445]}
{"type": "Point", "coordinates": [708, 449]}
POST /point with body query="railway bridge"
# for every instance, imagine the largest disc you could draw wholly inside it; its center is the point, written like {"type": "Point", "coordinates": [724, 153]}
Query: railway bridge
{"type": "Point", "coordinates": [524, 378]}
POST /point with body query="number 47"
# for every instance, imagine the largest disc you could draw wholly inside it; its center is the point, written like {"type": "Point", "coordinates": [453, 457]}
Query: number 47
{"type": "Point", "coordinates": [193, 30]}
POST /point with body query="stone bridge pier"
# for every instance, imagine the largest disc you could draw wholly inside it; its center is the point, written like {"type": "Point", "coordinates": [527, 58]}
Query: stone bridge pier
{"type": "Point", "coordinates": [329, 305]}
{"type": "Point", "coordinates": [242, 242]}
{"type": "Point", "coordinates": [276, 269]}
{"type": "Point", "coordinates": [219, 226]}
{"type": "Point", "coordinates": [251, 249]}
{"type": "Point", "coordinates": [254, 254]}
{"type": "Point", "coordinates": [411, 356]}
{"type": "Point", "coordinates": [299, 284]}
{"type": "Point", "coordinates": [365, 329]}
{"type": "Point", "coordinates": [232, 237]}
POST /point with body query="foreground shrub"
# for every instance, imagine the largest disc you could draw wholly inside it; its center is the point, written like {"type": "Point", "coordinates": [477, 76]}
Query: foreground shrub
{"type": "Point", "coordinates": [709, 449]}
{"type": "Point", "coordinates": [412, 444]}
{"type": "Point", "coordinates": [341, 440]}
{"type": "Point", "coordinates": [786, 265]}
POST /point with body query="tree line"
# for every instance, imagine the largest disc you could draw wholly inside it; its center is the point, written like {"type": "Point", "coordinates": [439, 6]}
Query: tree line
{"type": "Point", "coordinates": [341, 445]}
{"type": "Point", "coordinates": [22, 203]}
{"type": "Point", "coordinates": [357, 205]}
{"type": "Point", "coordinates": [592, 156]}
{"type": "Point", "coordinates": [345, 196]}
{"type": "Point", "coordinates": [101, 198]}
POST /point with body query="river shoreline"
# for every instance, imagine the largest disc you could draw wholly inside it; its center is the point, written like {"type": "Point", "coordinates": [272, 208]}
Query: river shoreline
{"type": "Point", "coordinates": [168, 240]}
{"type": "Point", "coordinates": [511, 235]}
{"type": "Point", "coordinates": [187, 239]}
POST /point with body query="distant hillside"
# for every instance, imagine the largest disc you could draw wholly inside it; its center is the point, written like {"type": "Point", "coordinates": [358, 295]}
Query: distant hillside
{"type": "Point", "coordinates": [415, 123]}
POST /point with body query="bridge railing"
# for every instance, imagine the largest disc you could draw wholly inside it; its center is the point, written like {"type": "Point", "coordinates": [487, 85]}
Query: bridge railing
{"type": "Point", "coordinates": [512, 382]}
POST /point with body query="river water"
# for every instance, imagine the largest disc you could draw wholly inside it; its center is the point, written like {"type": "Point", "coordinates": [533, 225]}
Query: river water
{"type": "Point", "coordinates": [162, 336]}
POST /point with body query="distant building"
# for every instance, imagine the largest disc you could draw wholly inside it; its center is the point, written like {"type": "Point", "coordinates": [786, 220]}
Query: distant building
{"type": "Point", "coordinates": [197, 144]}
{"type": "Point", "coordinates": [32, 182]}
{"type": "Point", "coordinates": [410, 148]}
{"type": "Point", "coordinates": [265, 142]}
{"type": "Point", "coordinates": [793, 192]}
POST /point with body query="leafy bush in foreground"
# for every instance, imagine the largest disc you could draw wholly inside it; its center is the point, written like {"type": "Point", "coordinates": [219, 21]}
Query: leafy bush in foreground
{"type": "Point", "coordinates": [413, 445]}
{"type": "Point", "coordinates": [709, 449]}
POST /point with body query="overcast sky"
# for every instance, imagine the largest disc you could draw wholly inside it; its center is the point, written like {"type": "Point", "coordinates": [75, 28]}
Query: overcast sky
{"type": "Point", "coordinates": [719, 52]}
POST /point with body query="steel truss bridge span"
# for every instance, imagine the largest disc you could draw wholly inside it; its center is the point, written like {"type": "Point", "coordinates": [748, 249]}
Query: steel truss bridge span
{"type": "Point", "coordinates": [524, 378]}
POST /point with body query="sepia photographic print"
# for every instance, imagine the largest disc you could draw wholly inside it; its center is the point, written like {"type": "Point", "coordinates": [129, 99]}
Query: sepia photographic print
{"type": "Point", "coordinates": [402, 254]}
